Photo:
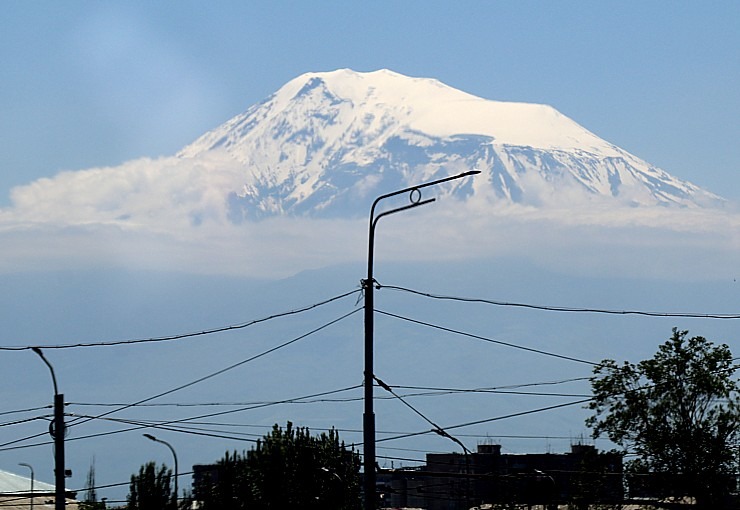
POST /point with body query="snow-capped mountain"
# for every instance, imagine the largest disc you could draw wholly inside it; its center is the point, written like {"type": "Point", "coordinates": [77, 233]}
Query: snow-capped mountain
{"type": "Point", "coordinates": [326, 144]}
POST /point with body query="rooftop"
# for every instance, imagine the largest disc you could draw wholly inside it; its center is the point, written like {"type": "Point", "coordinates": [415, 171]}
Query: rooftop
{"type": "Point", "coordinates": [10, 483]}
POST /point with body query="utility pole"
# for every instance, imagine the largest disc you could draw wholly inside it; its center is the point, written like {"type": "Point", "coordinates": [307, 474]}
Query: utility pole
{"type": "Point", "coordinates": [368, 285]}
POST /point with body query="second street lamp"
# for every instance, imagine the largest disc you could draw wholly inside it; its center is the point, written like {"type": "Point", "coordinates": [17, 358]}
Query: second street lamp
{"type": "Point", "coordinates": [174, 454]}
{"type": "Point", "coordinates": [29, 466]}
{"type": "Point", "coordinates": [368, 285]}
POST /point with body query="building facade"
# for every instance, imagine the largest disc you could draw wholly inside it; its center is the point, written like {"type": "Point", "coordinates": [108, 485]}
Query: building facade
{"type": "Point", "coordinates": [455, 481]}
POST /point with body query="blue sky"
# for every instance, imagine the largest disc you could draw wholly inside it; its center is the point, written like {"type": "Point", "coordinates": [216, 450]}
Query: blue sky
{"type": "Point", "coordinates": [99, 83]}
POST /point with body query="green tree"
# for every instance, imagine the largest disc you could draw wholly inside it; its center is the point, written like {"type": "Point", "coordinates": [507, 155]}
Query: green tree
{"type": "Point", "coordinates": [678, 412]}
{"type": "Point", "coordinates": [150, 489]}
{"type": "Point", "coordinates": [287, 468]}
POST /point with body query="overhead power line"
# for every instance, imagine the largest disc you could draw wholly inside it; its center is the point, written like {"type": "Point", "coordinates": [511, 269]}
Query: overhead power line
{"type": "Point", "coordinates": [436, 428]}
{"type": "Point", "coordinates": [181, 336]}
{"type": "Point", "coordinates": [523, 413]}
{"type": "Point", "coordinates": [26, 420]}
{"type": "Point", "coordinates": [487, 420]}
{"type": "Point", "coordinates": [25, 410]}
{"type": "Point", "coordinates": [487, 339]}
{"type": "Point", "coordinates": [550, 308]}
{"type": "Point", "coordinates": [226, 369]}
{"type": "Point", "coordinates": [318, 398]}
{"type": "Point", "coordinates": [432, 391]}
{"type": "Point", "coordinates": [6, 446]}
{"type": "Point", "coordinates": [422, 391]}
{"type": "Point", "coordinates": [164, 425]}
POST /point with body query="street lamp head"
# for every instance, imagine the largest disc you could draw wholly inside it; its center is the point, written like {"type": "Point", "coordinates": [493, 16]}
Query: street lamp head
{"type": "Point", "coordinates": [29, 466]}
{"type": "Point", "coordinates": [149, 436]}
{"type": "Point", "coordinates": [40, 354]}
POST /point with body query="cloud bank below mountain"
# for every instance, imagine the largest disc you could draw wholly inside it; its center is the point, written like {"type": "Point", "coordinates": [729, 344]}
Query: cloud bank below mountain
{"type": "Point", "coordinates": [172, 214]}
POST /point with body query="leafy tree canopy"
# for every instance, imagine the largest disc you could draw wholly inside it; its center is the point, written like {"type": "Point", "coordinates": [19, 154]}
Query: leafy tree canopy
{"type": "Point", "coordinates": [678, 412]}
{"type": "Point", "coordinates": [150, 489]}
{"type": "Point", "coordinates": [287, 468]}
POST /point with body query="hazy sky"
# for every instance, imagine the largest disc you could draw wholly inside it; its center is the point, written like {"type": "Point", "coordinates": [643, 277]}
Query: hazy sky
{"type": "Point", "coordinates": [88, 84]}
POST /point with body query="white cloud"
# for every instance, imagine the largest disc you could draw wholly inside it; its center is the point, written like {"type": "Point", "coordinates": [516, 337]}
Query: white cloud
{"type": "Point", "coordinates": [166, 193]}
{"type": "Point", "coordinates": [171, 214]}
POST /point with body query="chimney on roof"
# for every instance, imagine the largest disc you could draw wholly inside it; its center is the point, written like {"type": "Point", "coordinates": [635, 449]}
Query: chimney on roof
{"type": "Point", "coordinates": [582, 449]}
{"type": "Point", "coordinates": [490, 449]}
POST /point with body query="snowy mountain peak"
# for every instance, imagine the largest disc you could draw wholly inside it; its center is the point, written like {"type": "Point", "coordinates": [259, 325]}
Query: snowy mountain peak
{"type": "Point", "coordinates": [324, 141]}
{"type": "Point", "coordinates": [431, 107]}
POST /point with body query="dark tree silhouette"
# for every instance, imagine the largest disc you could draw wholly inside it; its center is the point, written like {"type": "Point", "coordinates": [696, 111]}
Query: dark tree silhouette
{"type": "Point", "coordinates": [150, 489]}
{"type": "Point", "coordinates": [286, 469]}
{"type": "Point", "coordinates": [678, 412]}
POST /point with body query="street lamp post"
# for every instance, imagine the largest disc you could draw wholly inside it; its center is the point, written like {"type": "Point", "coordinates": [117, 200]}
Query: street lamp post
{"type": "Point", "coordinates": [552, 500]}
{"type": "Point", "coordinates": [368, 418]}
{"type": "Point", "coordinates": [174, 454]}
{"type": "Point", "coordinates": [29, 466]}
{"type": "Point", "coordinates": [57, 431]}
